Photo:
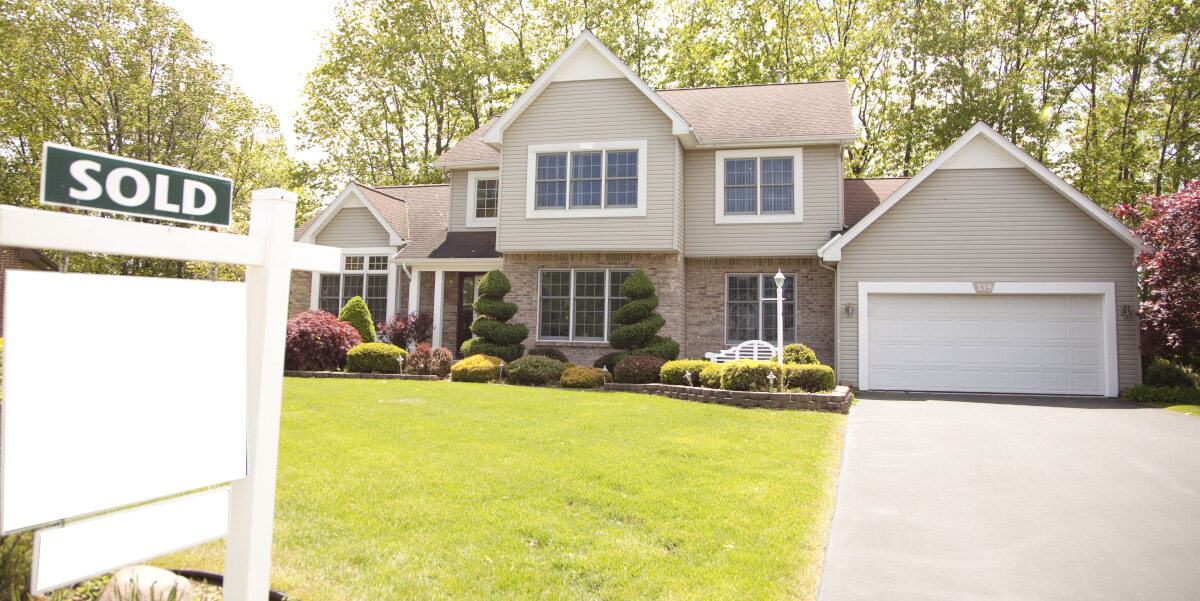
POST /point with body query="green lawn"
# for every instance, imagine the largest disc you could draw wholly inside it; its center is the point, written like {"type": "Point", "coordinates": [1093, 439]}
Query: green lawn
{"type": "Point", "coordinates": [432, 490]}
{"type": "Point", "coordinates": [1184, 408]}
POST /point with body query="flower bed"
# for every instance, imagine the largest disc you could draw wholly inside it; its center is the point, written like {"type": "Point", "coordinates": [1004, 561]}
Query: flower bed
{"type": "Point", "coordinates": [291, 373]}
{"type": "Point", "coordinates": [837, 401]}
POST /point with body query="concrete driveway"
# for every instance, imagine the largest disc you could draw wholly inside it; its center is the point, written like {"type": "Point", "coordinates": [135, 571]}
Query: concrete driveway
{"type": "Point", "coordinates": [985, 497]}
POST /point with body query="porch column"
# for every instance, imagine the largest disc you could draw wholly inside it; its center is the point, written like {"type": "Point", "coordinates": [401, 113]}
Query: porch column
{"type": "Point", "coordinates": [439, 294]}
{"type": "Point", "coordinates": [414, 291]}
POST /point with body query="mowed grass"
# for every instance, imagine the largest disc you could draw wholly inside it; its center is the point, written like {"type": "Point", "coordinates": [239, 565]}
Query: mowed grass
{"type": "Point", "coordinates": [1184, 408]}
{"type": "Point", "coordinates": [433, 490]}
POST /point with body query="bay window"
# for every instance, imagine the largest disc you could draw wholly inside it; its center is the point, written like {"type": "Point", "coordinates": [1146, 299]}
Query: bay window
{"type": "Point", "coordinates": [578, 304]}
{"type": "Point", "coordinates": [750, 314]}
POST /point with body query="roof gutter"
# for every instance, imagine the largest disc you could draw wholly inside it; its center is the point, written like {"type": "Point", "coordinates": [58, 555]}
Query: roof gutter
{"type": "Point", "coordinates": [773, 141]}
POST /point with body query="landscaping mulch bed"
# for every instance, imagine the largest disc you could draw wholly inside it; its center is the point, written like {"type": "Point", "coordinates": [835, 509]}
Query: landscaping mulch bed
{"type": "Point", "coordinates": [837, 401]}
{"type": "Point", "coordinates": [289, 373]}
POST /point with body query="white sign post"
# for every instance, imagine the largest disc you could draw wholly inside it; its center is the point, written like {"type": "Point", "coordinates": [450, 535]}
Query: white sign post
{"type": "Point", "coordinates": [142, 389]}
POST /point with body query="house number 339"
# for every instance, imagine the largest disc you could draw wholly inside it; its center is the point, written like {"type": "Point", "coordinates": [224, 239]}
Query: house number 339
{"type": "Point", "coordinates": [984, 287]}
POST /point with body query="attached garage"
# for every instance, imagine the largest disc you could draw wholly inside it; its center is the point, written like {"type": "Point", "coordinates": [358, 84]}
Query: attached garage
{"type": "Point", "coordinates": [1052, 339]}
{"type": "Point", "coordinates": [987, 273]}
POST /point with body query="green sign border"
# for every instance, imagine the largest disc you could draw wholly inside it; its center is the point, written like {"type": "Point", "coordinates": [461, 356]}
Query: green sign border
{"type": "Point", "coordinates": [215, 219]}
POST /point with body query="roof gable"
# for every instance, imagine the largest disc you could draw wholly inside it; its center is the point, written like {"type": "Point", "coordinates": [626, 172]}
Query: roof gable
{"type": "Point", "coordinates": [981, 148]}
{"type": "Point", "coordinates": [391, 218]}
{"type": "Point", "coordinates": [585, 58]}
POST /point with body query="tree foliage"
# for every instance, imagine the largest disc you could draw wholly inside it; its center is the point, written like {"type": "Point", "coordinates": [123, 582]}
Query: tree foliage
{"type": "Point", "coordinates": [1107, 93]}
{"type": "Point", "coordinates": [1170, 311]}
{"type": "Point", "coordinates": [128, 77]}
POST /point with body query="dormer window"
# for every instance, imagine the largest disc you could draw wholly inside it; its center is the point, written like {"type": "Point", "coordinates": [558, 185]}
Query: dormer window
{"type": "Point", "coordinates": [759, 186]}
{"type": "Point", "coordinates": [587, 180]}
{"type": "Point", "coordinates": [483, 198]}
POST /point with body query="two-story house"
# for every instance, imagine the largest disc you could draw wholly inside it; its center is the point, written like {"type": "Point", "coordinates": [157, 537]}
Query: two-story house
{"type": "Point", "coordinates": [984, 272]}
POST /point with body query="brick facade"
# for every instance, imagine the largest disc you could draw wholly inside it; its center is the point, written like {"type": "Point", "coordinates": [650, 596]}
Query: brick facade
{"type": "Point", "coordinates": [300, 293]}
{"type": "Point", "coordinates": [706, 301]}
{"type": "Point", "coordinates": [666, 270]}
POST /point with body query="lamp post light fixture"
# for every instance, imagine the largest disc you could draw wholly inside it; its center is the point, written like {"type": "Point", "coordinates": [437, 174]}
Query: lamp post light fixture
{"type": "Point", "coordinates": [400, 360]}
{"type": "Point", "coordinates": [687, 373]}
{"type": "Point", "coordinates": [501, 378]}
{"type": "Point", "coordinates": [779, 280]}
{"type": "Point", "coordinates": [771, 378]}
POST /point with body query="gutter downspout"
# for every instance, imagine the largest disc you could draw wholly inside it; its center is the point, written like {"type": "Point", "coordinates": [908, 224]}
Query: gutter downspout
{"type": "Point", "coordinates": [837, 314]}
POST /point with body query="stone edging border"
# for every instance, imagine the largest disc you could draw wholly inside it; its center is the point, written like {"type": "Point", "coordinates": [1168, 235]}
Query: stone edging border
{"type": "Point", "coordinates": [288, 373]}
{"type": "Point", "coordinates": [837, 401]}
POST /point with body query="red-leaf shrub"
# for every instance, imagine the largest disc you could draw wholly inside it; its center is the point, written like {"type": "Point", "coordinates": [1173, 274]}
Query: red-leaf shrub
{"type": "Point", "coordinates": [317, 341]}
{"type": "Point", "coordinates": [440, 361]}
{"type": "Point", "coordinates": [1170, 270]}
{"type": "Point", "coordinates": [638, 370]}
{"type": "Point", "coordinates": [401, 329]}
{"type": "Point", "coordinates": [419, 361]}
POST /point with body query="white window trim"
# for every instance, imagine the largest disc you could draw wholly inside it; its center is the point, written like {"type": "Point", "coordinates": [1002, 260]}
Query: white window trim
{"type": "Point", "coordinates": [797, 214]}
{"type": "Point", "coordinates": [365, 252]}
{"type": "Point", "coordinates": [571, 311]}
{"type": "Point", "coordinates": [1107, 290]}
{"type": "Point", "coordinates": [531, 210]}
{"type": "Point", "coordinates": [796, 301]}
{"type": "Point", "coordinates": [473, 178]}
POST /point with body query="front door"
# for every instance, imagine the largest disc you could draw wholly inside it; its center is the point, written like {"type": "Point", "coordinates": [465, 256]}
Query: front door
{"type": "Point", "coordinates": [469, 285]}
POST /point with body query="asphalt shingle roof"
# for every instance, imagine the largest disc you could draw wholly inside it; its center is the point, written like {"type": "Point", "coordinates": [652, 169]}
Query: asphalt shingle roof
{"type": "Point", "coordinates": [765, 111]}
{"type": "Point", "coordinates": [860, 196]}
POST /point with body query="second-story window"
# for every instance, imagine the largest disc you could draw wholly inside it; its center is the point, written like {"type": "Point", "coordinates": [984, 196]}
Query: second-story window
{"type": "Point", "coordinates": [483, 198]}
{"type": "Point", "coordinates": [759, 186]}
{"type": "Point", "coordinates": [595, 179]}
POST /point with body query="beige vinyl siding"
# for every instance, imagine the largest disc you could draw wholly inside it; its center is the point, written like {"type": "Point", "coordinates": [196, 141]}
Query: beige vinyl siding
{"type": "Point", "coordinates": [821, 191]}
{"type": "Point", "coordinates": [353, 228]}
{"type": "Point", "coordinates": [589, 111]}
{"type": "Point", "coordinates": [988, 225]}
{"type": "Point", "coordinates": [460, 200]}
{"type": "Point", "coordinates": [680, 231]}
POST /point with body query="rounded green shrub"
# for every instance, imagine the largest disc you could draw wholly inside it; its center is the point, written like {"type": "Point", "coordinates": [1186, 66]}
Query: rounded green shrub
{"type": "Point", "coordinates": [747, 374]}
{"type": "Point", "coordinates": [358, 315]}
{"type": "Point", "coordinates": [1164, 373]}
{"type": "Point", "coordinates": [809, 378]}
{"type": "Point", "coordinates": [710, 377]}
{"type": "Point", "coordinates": [672, 371]}
{"type": "Point", "coordinates": [798, 353]}
{"type": "Point", "coordinates": [547, 351]}
{"type": "Point", "coordinates": [536, 370]}
{"type": "Point", "coordinates": [476, 368]}
{"type": "Point", "coordinates": [642, 369]}
{"type": "Point", "coordinates": [494, 336]}
{"type": "Point", "coordinates": [638, 333]}
{"type": "Point", "coordinates": [375, 357]}
{"type": "Point", "coordinates": [581, 377]}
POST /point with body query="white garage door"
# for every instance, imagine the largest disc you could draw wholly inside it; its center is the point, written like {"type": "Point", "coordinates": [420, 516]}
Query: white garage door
{"type": "Point", "coordinates": [1038, 344]}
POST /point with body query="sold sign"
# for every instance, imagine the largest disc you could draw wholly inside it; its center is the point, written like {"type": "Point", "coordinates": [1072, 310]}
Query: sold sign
{"type": "Point", "coordinates": [103, 182]}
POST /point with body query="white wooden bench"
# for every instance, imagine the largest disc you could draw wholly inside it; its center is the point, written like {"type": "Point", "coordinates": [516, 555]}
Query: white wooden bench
{"type": "Point", "coordinates": [759, 350]}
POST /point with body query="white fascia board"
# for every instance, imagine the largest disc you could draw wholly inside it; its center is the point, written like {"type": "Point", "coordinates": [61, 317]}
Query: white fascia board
{"type": "Point", "coordinates": [833, 251]}
{"type": "Point", "coordinates": [452, 264]}
{"type": "Point", "coordinates": [495, 135]}
{"type": "Point", "coordinates": [489, 164]}
{"type": "Point", "coordinates": [769, 142]}
{"type": "Point", "coordinates": [351, 191]}
{"type": "Point", "coordinates": [826, 254]}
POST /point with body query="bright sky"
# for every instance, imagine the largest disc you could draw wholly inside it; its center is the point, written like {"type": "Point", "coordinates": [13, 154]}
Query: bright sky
{"type": "Point", "coordinates": [268, 45]}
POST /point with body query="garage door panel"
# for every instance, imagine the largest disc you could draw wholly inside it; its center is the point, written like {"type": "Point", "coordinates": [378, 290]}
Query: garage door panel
{"type": "Point", "coordinates": [1046, 344]}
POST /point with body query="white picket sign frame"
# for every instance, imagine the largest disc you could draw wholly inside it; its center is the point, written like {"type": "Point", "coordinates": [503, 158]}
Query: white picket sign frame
{"type": "Point", "coordinates": [269, 255]}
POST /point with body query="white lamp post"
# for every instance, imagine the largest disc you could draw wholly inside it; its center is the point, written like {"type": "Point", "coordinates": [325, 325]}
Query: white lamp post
{"type": "Point", "coordinates": [779, 280]}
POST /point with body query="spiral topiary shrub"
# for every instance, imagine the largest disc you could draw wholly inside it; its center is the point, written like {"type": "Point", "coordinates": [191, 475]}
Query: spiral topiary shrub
{"type": "Point", "coordinates": [495, 336]}
{"type": "Point", "coordinates": [609, 360]}
{"type": "Point", "coordinates": [641, 369]}
{"type": "Point", "coordinates": [536, 370]}
{"type": "Point", "coordinates": [375, 358]}
{"type": "Point", "coordinates": [710, 377]}
{"type": "Point", "coordinates": [476, 368]}
{"type": "Point", "coordinates": [672, 372]}
{"type": "Point", "coordinates": [358, 315]}
{"type": "Point", "coordinates": [808, 377]}
{"type": "Point", "coordinates": [748, 374]}
{"type": "Point", "coordinates": [638, 333]}
{"type": "Point", "coordinates": [581, 377]}
{"type": "Point", "coordinates": [440, 360]}
{"type": "Point", "coordinates": [798, 353]}
{"type": "Point", "coordinates": [547, 351]}
{"type": "Point", "coordinates": [317, 341]}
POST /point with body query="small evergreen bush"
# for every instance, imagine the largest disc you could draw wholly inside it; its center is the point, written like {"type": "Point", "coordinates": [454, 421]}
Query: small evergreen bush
{"type": "Point", "coordinates": [710, 377]}
{"type": "Point", "coordinates": [809, 378]}
{"type": "Point", "coordinates": [476, 368]}
{"type": "Point", "coordinates": [639, 328]}
{"type": "Point", "coordinates": [547, 351]}
{"type": "Point", "coordinates": [798, 353]}
{"type": "Point", "coordinates": [672, 371]}
{"type": "Point", "coordinates": [1163, 395]}
{"type": "Point", "coordinates": [374, 357]}
{"type": "Point", "coordinates": [419, 361]}
{"type": "Point", "coordinates": [609, 360]}
{"type": "Point", "coordinates": [494, 336]}
{"type": "Point", "coordinates": [440, 361]}
{"type": "Point", "coordinates": [536, 370]}
{"type": "Point", "coordinates": [581, 377]}
{"type": "Point", "coordinates": [638, 370]}
{"type": "Point", "coordinates": [358, 315]}
{"type": "Point", "coordinates": [317, 341]}
{"type": "Point", "coordinates": [1166, 374]}
{"type": "Point", "coordinates": [748, 374]}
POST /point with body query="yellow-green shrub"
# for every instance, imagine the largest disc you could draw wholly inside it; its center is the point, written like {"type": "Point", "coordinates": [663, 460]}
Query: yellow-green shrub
{"type": "Point", "coordinates": [809, 378]}
{"type": "Point", "coordinates": [581, 377]}
{"type": "Point", "coordinates": [672, 371]}
{"type": "Point", "coordinates": [374, 357]}
{"type": "Point", "coordinates": [710, 377]}
{"type": "Point", "coordinates": [476, 368]}
{"type": "Point", "coordinates": [747, 374]}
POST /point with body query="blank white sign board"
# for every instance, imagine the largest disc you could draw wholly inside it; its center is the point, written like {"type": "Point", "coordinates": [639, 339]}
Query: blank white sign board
{"type": "Point", "coordinates": [94, 546]}
{"type": "Point", "coordinates": [118, 390]}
